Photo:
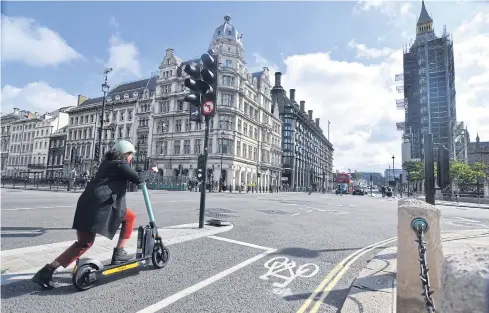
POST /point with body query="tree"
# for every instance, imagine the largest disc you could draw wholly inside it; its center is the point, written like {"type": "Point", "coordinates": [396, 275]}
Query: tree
{"type": "Point", "coordinates": [410, 168]}
{"type": "Point", "coordinates": [479, 170]}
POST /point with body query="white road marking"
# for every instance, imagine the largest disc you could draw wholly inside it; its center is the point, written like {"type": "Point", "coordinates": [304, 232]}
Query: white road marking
{"type": "Point", "coordinates": [352, 205]}
{"type": "Point", "coordinates": [41, 207]}
{"type": "Point", "coordinates": [320, 210]}
{"type": "Point", "coordinates": [339, 205]}
{"type": "Point", "coordinates": [289, 204]}
{"type": "Point", "coordinates": [295, 214]}
{"type": "Point", "coordinates": [308, 211]}
{"type": "Point", "coordinates": [242, 243]}
{"type": "Point", "coordinates": [281, 267]}
{"type": "Point", "coordinates": [190, 290]}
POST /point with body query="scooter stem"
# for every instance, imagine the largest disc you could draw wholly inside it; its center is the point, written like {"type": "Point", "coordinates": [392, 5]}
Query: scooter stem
{"type": "Point", "coordinates": [149, 209]}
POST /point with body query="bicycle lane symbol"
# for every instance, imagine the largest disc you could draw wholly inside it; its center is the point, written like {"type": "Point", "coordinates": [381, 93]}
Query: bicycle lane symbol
{"type": "Point", "coordinates": [283, 268]}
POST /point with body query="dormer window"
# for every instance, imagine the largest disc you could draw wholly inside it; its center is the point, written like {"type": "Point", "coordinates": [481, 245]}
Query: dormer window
{"type": "Point", "coordinates": [109, 99]}
{"type": "Point", "coordinates": [126, 96]}
{"type": "Point", "coordinates": [117, 97]}
{"type": "Point", "coordinates": [218, 32]}
{"type": "Point", "coordinates": [229, 32]}
{"type": "Point", "coordinates": [168, 61]}
{"type": "Point", "coordinates": [135, 94]}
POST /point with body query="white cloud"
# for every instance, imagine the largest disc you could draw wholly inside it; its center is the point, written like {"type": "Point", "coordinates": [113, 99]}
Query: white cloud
{"type": "Point", "coordinates": [113, 22]}
{"type": "Point", "coordinates": [359, 99]}
{"type": "Point", "coordinates": [23, 40]}
{"type": "Point", "coordinates": [397, 11]}
{"type": "Point", "coordinates": [369, 53]}
{"type": "Point", "coordinates": [123, 58]}
{"type": "Point", "coordinates": [35, 97]}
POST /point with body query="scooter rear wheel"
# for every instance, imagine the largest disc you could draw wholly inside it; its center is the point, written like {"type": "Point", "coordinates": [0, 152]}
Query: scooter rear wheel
{"type": "Point", "coordinates": [160, 256]}
{"type": "Point", "coordinates": [81, 279]}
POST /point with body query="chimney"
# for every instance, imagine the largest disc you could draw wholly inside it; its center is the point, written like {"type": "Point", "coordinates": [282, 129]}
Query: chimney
{"type": "Point", "coordinates": [16, 111]}
{"type": "Point", "coordinates": [317, 121]}
{"type": "Point", "coordinates": [292, 95]}
{"type": "Point", "coordinates": [309, 112]}
{"type": "Point", "coordinates": [303, 106]}
{"type": "Point", "coordinates": [278, 79]}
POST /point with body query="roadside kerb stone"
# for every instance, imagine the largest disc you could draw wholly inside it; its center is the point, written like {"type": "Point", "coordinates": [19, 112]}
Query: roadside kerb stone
{"type": "Point", "coordinates": [30, 259]}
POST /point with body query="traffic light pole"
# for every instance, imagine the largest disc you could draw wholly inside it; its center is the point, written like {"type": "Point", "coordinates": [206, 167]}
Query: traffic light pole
{"type": "Point", "coordinates": [203, 187]}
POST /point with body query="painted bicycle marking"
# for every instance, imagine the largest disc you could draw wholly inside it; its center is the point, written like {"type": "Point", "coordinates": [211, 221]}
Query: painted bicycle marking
{"type": "Point", "coordinates": [282, 268]}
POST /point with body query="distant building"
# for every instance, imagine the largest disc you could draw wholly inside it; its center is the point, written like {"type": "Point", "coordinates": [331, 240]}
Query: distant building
{"type": "Point", "coordinates": [391, 175]}
{"type": "Point", "coordinates": [56, 152]}
{"type": "Point", "coordinates": [307, 153]}
{"type": "Point", "coordinates": [429, 90]}
{"type": "Point", "coordinates": [478, 151]}
{"type": "Point", "coordinates": [377, 178]}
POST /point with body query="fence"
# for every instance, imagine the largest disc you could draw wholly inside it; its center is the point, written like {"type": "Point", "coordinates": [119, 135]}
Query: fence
{"type": "Point", "coordinates": [52, 183]}
{"type": "Point", "coordinates": [169, 183]}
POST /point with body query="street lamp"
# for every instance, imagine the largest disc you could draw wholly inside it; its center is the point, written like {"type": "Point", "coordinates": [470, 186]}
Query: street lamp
{"type": "Point", "coordinates": [393, 172]}
{"type": "Point", "coordinates": [105, 90]}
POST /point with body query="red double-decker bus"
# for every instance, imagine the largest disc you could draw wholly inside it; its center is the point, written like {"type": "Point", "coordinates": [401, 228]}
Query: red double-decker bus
{"type": "Point", "coordinates": [344, 182]}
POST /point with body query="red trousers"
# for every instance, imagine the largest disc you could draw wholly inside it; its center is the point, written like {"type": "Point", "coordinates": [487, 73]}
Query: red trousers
{"type": "Point", "coordinates": [86, 239]}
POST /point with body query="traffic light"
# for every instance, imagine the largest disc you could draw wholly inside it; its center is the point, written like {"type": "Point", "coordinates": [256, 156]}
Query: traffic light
{"type": "Point", "coordinates": [97, 153]}
{"type": "Point", "coordinates": [195, 84]}
{"type": "Point", "coordinates": [443, 168]}
{"type": "Point", "coordinates": [200, 168]}
{"type": "Point", "coordinates": [209, 76]}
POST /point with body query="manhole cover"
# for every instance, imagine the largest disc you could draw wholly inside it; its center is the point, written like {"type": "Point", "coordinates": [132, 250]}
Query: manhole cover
{"type": "Point", "coordinates": [272, 211]}
{"type": "Point", "coordinates": [217, 215]}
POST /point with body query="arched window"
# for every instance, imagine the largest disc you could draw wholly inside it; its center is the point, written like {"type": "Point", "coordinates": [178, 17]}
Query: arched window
{"type": "Point", "coordinates": [126, 96]}
{"type": "Point", "coordinates": [117, 97]}
{"type": "Point", "coordinates": [135, 94]}
{"type": "Point", "coordinates": [109, 99]}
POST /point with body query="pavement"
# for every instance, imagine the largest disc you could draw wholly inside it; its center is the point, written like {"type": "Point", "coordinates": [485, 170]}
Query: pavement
{"type": "Point", "coordinates": [284, 252]}
{"type": "Point", "coordinates": [374, 290]}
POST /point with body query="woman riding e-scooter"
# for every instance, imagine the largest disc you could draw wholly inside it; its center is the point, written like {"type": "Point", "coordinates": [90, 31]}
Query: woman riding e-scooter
{"type": "Point", "coordinates": [101, 209]}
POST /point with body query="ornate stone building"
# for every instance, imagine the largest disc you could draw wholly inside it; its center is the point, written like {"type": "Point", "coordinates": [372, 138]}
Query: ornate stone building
{"type": "Point", "coordinates": [245, 134]}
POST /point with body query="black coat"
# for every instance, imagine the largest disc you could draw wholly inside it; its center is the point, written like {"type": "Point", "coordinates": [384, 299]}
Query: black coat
{"type": "Point", "coordinates": [102, 206]}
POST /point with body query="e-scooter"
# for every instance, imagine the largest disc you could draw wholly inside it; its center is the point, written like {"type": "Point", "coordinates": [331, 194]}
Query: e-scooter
{"type": "Point", "coordinates": [149, 246]}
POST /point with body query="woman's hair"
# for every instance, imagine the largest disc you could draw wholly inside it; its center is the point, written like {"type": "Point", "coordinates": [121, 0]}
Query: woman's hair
{"type": "Point", "coordinates": [113, 155]}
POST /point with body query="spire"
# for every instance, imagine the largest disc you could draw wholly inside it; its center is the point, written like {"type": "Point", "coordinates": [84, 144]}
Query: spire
{"type": "Point", "coordinates": [477, 137]}
{"type": "Point", "coordinates": [424, 17]}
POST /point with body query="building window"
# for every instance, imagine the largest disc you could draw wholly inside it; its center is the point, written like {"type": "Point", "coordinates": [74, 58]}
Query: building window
{"type": "Point", "coordinates": [229, 63]}
{"type": "Point", "coordinates": [186, 147]}
{"type": "Point", "coordinates": [126, 96]}
{"type": "Point", "coordinates": [197, 145]}
{"type": "Point", "coordinates": [164, 148]}
{"type": "Point", "coordinates": [180, 105]}
{"type": "Point", "coordinates": [122, 116]}
{"type": "Point", "coordinates": [176, 147]}
{"type": "Point", "coordinates": [178, 126]}
{"type": "Point", "coordinates": [227, 99]}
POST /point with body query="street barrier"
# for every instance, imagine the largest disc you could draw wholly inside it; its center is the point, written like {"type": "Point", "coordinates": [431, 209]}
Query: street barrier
{"type": "Point", "coordinates": [419, 246]}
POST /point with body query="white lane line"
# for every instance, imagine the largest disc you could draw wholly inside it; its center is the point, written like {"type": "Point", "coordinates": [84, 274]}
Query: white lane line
{"type": "Point", "coordinates": [190, 290]}
{"type": "Point", "coordinates": [308, 211]}
{"type": "Point", "coordinates": [295, 214]}
{"type": "Point", "coordinates": [352, 205]}
{"type": "Point", "coordinates": [242, 243]}
{"type": "Point", "coordinates": [339, 205]}
{"type": "Point", "coordinates": [320, 210]}
{"type": "Point", "coordinates": [40, 207]}
{"type": "Point", "coordinates": [290, 204]}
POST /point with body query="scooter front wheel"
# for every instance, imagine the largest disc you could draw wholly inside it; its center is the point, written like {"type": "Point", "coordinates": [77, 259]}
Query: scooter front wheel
{"type": "Point", "coordinates": [160, 256]}
{"type": "Point", "coordinates": [81, 277]}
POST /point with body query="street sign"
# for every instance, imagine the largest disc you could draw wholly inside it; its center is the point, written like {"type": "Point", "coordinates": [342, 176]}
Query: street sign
{"type": "Point", "coordinates": [195, 113]}
{"type": "Point", "coordinates": [208, 108]}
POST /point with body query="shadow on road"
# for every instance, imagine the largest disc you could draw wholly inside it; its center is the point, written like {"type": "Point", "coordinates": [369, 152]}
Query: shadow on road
{"type": "Point", "coordinates": [308, 253]}
{"type": "Point", "coordinates": [27, 287]}
{"type": "Point", "coordinates": [334, 298]}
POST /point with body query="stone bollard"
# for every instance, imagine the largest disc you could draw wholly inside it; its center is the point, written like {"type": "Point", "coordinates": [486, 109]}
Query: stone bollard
{"type": "Point", "coordinates": [409, 288]}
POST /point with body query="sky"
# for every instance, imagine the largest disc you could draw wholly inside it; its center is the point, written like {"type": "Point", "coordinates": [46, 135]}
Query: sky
{"type": "Point", "coordinates": [341, 57]}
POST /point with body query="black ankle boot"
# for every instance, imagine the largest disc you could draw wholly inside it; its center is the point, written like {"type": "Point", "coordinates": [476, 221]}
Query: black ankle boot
{"type": "Point", "coordinates": [120, 256]}
{"type": "Point", "coordinates": [44, 277]}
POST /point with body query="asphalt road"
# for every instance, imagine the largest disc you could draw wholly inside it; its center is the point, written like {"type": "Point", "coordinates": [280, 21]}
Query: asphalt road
{"type": "Point", "coordinates": [225, 273]}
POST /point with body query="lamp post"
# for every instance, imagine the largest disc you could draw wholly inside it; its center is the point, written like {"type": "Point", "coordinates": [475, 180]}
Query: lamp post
{"type": "Point", "coordinates": [393, 171]}
{"type": "Point", "coordinates": [105, 90]}
{"type": "Point", "coordinates": [222, 151]}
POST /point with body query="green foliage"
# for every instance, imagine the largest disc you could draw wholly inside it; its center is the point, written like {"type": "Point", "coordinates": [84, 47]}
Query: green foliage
{"type": "Point", "coordinates": [414, 170]}
{"type": "Point", "coordinates": [465, 173]}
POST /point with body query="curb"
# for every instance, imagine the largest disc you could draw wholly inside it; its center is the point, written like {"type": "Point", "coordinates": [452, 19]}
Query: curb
{"type": "Point", "coordinates": [463, 206]}
{"type": "Point", "coordinates": [374, 290]}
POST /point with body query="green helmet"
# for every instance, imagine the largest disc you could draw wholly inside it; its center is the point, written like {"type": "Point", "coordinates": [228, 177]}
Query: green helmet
{"type": "Point", "coordinates": [124, 146]}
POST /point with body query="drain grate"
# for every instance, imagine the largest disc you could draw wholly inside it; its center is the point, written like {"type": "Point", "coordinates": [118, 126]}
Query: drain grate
{"type": "Point", "coordinates": [272, 211]}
